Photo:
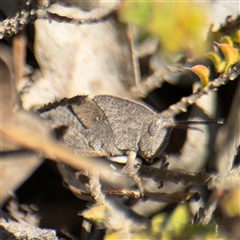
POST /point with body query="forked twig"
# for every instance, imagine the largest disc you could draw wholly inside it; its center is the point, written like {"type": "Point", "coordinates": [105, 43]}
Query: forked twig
{"type": "Point", "coordinates": [31, 12]}
{"type": "Point", "coordinates": [185, 102]}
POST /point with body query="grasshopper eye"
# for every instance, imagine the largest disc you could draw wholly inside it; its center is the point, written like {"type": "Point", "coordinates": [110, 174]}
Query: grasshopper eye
{"type": "Point", "coordinates": [153, 128]}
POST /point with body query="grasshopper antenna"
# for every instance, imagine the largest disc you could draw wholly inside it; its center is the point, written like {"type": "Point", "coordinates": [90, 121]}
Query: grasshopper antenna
{"type": "Point", "coordinates": [189, 124]}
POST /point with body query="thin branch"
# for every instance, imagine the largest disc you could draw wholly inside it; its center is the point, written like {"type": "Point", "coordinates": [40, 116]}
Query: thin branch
{"type": "Point", "coordinates": [148, 196]}
{"type": "Point", "coordinates": [147, 48]}
{"type": "Point", "coordinates": [185, 102]}
{"type": "Point", "coordinates": [95, 188]}
{"type": "Point", "coordinates": [154, 81]}
{"type": "Point", "coordinates": [28, 131]}
{"type": "Point", "coordinates": [159, 175]}
{"type": "Point", "coordinates": [155, 196]}
{"type": "Point", "coordinates": [19, 48]}
{"type": "Point", "coordinates": [173, 198]}
{"type": "Point", "coordinates": [122, 192]}
{"type": "Point", "coordinates": [206, 213]}
{"type": "Point", "coordinates": [231, 180]}
{"type": "Point", "coordinates": [63, 19]}
{"type": "Point", "coordinates": [135, 59]}
{"type": "Point", "coordinates": [31, 12]}
{"type": "Point", "coordinates": [16, 22]}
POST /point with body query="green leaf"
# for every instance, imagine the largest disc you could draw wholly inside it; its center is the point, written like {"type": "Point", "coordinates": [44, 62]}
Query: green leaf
{"type": "Point", "coordinates": [178, 25]}
{"type": "Point", "coordinates": [167, 227]}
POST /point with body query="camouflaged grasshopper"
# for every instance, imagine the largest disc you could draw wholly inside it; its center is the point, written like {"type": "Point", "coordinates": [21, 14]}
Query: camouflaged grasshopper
{"type": "Point", "coordinates": [108, 126]}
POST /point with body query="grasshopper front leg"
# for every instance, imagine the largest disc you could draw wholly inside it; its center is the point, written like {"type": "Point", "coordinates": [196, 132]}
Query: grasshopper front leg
{"type": "Point", "coordinates": [130, 171]}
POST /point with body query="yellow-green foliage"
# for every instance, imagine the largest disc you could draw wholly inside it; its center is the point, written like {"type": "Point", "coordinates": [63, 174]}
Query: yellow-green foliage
{"type": "Point", "coordinates": [203, 73]}
{"type": "Point", "coordinates": [230, 203]}
{"type": "Point", "coordinates": [95, 214]}
{"type": "Point", "coordinates": [178, 25]}
{"type": "Point", "coordinates": [173, 225]}
{"type": "Point", "coordinates": [230, 54]}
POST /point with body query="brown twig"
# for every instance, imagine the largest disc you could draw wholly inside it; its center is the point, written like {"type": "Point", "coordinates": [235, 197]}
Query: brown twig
{"type": "Point", "coordinates": [19, 47]}
{"type": "Point", "coordinates": [154, 81]}
{"type": "Point", "coordinates": [173, 198]}
{"type": "Point", "coordinates": [155, 196]}
{"type": "Point", "coordinates": [31, 12]}
{"type": "Point", "coordinates": [28, 131]}
{"type": "Point", "coordinates": [185, 102]}
{"type": "Point", "coordinates": [148, 196]}
{"type": "Point", "coordinates": [159, 175]}
{"type": "Point", "coordinates": [206, 213]}
{"type": "Point", "coordinates": [63, 19]}
{"type": "Point", "coordinates": [122, 192]}
{"type": "Point", "coordinates": [15, 23]}
{"type": "Point", "coordinates": [135, 60]}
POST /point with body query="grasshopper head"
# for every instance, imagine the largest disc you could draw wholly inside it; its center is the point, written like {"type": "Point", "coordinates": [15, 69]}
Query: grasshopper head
{"type": "Point", "coordinates": [155, 136]}
{"type": "Point", "coordinates": [156, 133]}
